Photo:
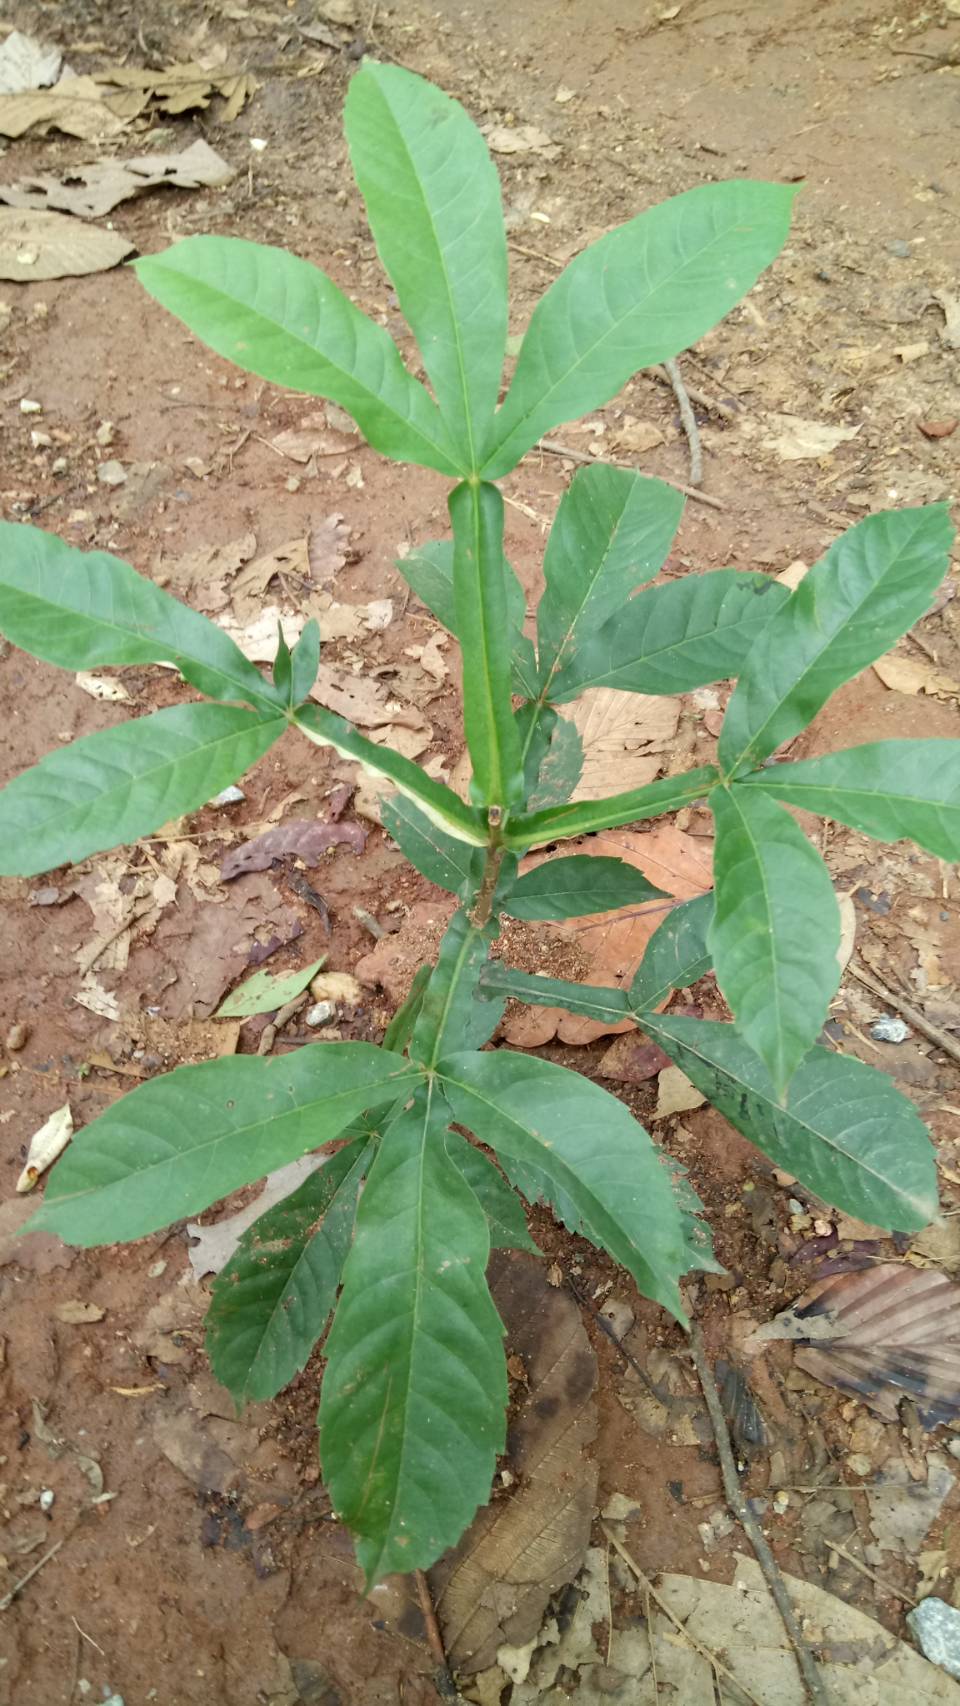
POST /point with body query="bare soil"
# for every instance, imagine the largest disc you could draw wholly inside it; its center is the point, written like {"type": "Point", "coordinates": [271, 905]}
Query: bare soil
{"type": "Point", "coordinates": [218, 1566]}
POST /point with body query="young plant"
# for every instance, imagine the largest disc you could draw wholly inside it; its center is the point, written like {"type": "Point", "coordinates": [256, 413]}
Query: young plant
{"type": "Point", "coordinates": [413, 1395]}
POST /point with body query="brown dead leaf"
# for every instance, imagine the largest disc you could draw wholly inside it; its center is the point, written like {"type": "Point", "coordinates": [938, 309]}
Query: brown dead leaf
{"type": "Point", "coordinates": [178, 89]}
{"type": "Point", "coordinates": [633, 1060]}
{"type": "Point", "coordinates": [949, 301]}
{"type": "Point", "coordinates": [35, 246]}
{"type": "Point", "coordinates": [915, 675]}
{"type": "Point", "coordinates": [676, 1094]}
{"type": "Point", "coordinates": [614, 942]}
{"type": "Point", "coordinates": [73, 1313]}
{"type": "Point", "coordinates": [938, 429]}
{"type": "Point", "coordinates": [880, 1332]}
{"type": "Point", "coordinates": [305, 838]}
{"type": "Point", "coordinates": [494, 1587]}
{"type": "Point", "coordinates": [313, 437]}
{"type": "Point", "coordinates": [203, 573]}
{"type": "Point", "coordinates": [26, 63]}
{"type": "Point", "coordinates": [91, 191]}
{"type": "Point", "coordinates": [621, 733]}
{"type": "Point", "coordinates": [794, 439]}
{"type": "Point", "coordinates": [76, 105]}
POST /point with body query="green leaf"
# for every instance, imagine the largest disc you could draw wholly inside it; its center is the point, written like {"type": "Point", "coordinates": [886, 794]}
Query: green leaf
{"type": "Point", "coordinates": [455, 1009]}
{"type": "Point", "coordinates": [560, 768]}
{"type": "Point", "coordinates": [890, 789]}
{"type": "Point", "coordinates": [776, 928]}
{"type": "Point", "coordinates": [415, 1388]}
{"type": "Point", "coordinates": [441, 858]}
{"type": "Point", "coordinates": [305, 662]}
{"type": "Point", "coordinates": [610, 1005]}
{"type": "Point", "coordinates": [439, 803]}
{"type": "Point", "coordinates": [676, 954]}
{"type": "Point", "coordinates": [486, 641]}
{"type": "Point", "coordinates": [433, 200]}
{"type": "Point", "coordinates": [674, 637]}
{"type": "Point", "coordinates": [271, 1303]}
{"type": "Point", "coordinates": [266, 992]}
{"type": "Point", "coordinates": [82, 609]}
{"type": "Point", "coordinates": [279, 317]}
{"type": "Point", "coordinates": [400, 1029]}
{"type": "Point", "coordinates": [506, 1221]}
{"type": "Point", "coordinates": [175, 1145]}
{"type": "Point", "coordinates": [282, 678]}
{"type": "Point", "coordinates": [575, 886]}
{"type": "Point", "coordinates": [639, 295]}
{"type": "Point", "coordinates": [845, 1132]}
{"type": "Point", "coordinates": [429, 572]}
{"type": "Point", "coordinates": [875, 581]}
{"type": "Point", "coordinates": [113, 786]}
{"type": "Point", "coordinates": [611, 533]}
{"type": "Point", "coordinates": [585, 817]}
{"type": "Point", "coordinates": [598, 1165]}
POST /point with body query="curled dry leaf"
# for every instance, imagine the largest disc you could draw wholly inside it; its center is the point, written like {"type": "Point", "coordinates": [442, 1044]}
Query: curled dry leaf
{"type": "Point", "coordinates": [676, 1094]}
{"type": "Point", "coordinates": [45, 1145]}
{"type": "Point", "coordinates": [494, 1586]}
{"type": "Point", "coordinates": [306, 838]}
{"type": "Point", "coordinates": [614, 942]}
{"type": "Point", "coordinates": [880, 1332]}
{"type": "Point", "coordinates": [914, 675]}
{"type": "Point", "coordinates": [103, 687]}
{"type": "Point", "coordinates": [91, 191]}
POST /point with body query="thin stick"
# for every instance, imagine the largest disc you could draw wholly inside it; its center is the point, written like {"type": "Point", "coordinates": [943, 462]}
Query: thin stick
{"type": "Point", "coordinates": [698, 1646]}
{"type": "Point", "coordinates": [535, 255]}
{"type": "Point", "coordinates": [713, 405]}
{"type": "Point", "coordinates": [446, 1687]}
{"type": "Point", "coordinates": [913, 1014]}
{"type": "Point", "coordinates": [612, 462]}
{"type": "Point", "coordinates": [688, 421]}
{"type": "Point", "coordinates": [865, 1570]}
{"type": "Point", "coordinates": [741, 1510]}
{"type": "Point", "coordinates": [648, 1614]}
{"type": "Point", "coordinates": [18, 1587]}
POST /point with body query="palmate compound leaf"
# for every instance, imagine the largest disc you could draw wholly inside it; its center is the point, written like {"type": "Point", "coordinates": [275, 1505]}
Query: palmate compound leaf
{"type": "Point", "coordinates": [674, 637]}
{"type": "Point", "coordinates": [271, 1303]}
{"type": "Point", "coordinates": [83, 609]}
{"type": "Point", "coordinates": [178, 1143]}
{"type": "Point", "coordinates": [433, 201]}
{"type": "Point", "coordinates": [639, 295]}
{"type": "Point", "coordinates": [588, 1157]}
{"type": "Point", "coordinates": [875, 581]}
{"type": "Point", "coordinates": [775, 930]}
{"type": "Point", "coordinates": [844, 1131]}
{"type": "Point", "coordinates": [113, 786]}
{"type": "Point", "coordinates": [414, 1393]}
{"type": "Point", "coordinates": [611, 532]}
{"type": "Point", "coordinates": [889, 790]}
{"type": "Point", "coordinates": [279, 317]}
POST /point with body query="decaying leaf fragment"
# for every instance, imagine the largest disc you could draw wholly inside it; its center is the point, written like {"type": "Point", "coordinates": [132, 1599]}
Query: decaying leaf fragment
{"type": "Point", "coordinates": [45, 1145]}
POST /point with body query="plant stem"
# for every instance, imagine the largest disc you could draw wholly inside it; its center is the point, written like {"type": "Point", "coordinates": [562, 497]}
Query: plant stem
{"type": "Point", "coordinates": [483, 905]}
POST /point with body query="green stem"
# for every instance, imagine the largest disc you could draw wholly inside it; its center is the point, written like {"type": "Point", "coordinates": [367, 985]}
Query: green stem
{"type": "Point", "coordinates": [483, 905]}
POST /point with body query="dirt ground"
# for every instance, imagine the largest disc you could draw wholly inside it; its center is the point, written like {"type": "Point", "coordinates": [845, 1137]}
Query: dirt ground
{"type": "Point", "coordinates": [214, 1574]}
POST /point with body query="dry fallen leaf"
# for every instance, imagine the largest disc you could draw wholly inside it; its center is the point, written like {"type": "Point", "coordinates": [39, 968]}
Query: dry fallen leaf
{"type": "Point", "coordinates": [521, 139]}
{"type": "Point", "coordinates": [76, 1314]}
{"type": "Point", "coordinates": [76, 105]}
{"type": "Point", "coordinates": [493, 1588]}
{"type": "Point", "coordinates": [306, 838]}
{"type": "Point", "coordinates": [313, 437]}
{"type": "Point", "coordinates": [214, 1245]}
{"type": "Point", "coordinates": [614, 942]}
{"type": "Point", "coordinates": [26, 63]}
{"type": "Point", "coordinates": [45, 1145]}
{"type": "Point", "coordinates": [676, 1094]}
{"type": "Point", "coordinates": [621, 733]}
{"type": "Point", "coordinates": [91, 191]}
{"type": "Point", "coordinates": [36, 246]}
{"type": "Point", "coordinates": [103, 687]}
{"type": "Point", "coordinates": [949, 301]}
{"type": "Point", "coordinates": [915, 675]}
{"type": "Point", "coordinates": [794, 439]}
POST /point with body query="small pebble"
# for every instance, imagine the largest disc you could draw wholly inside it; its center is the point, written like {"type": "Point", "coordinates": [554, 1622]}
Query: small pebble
{"type": "Point", "coordinates": [59, 465]}
{"type": "Point", "coordinates": [858, 1464]}
{"type": "Point", "coordinates": [889, 1030]}
{"type": "Point", "coordinates": [16, 1037]}
{"type": "Point", "coordinates": [46, 1499]}
{"type": "Point", "coordinates": [899, 248]}
{"type": "Point", "coordinates": [936, 1626]}
{"type": "Point", "coordinates": [228, 796]}
{"type": "Point", "coordinates": [258, 144]}
{"type": "Point", "coordinates": [320, 1013]}
{"type": "Point", "coordinates": [111, 473]}
{"type": "Point", "coordinates": [29, 407]}
{"type": "Point", "coordinates": [781, 1502]}
{"type": "Point", "coordinates": [40, 440]}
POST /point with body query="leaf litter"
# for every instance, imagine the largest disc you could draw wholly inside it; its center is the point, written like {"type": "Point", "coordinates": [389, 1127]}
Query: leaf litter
{"type": "Point", "coordinates": [39, 246]}
{"type": "Point", "coordinates": [45, 1145]}
{"type": "Point", "coordinates": [91, 191]}
{"type": "Point", "coordinates": [303, 838]}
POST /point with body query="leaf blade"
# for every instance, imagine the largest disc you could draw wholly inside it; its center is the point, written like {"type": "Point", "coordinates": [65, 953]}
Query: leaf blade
{"type": "Point", "coordinates": [889, 789]}
{"type": "Point", "coordinates": [433, 200]}
{"type": "Point", "coordinates": [506, 1220]}
{"type": "Point", "coordinates": [266, 991]}
{"type": "Point", "coordinates": [409, 1436]}
{"type": "Point", "coordinates": [595, 1157]}
{"type": "Point", "coordinates": [441, 858]}
{"type": "Point", "coordinates": [676, 954]}
{"type": "Point", "coordinates": [82, 609]}
{"type": "Point", "coordinates": [874, 582]}
{"type": "Point", "coordinates": [846, 1132]}
{"type": "Point", "coordinates": [486, 642]}
{"type": "Point", "coordinates": [176, 1144]}
{"type": "Point", "coordinates": [454, 1005]}
{"type": "Point", "coordinates": [609, 1005]}
{"type": "Point", "coordinates": [270, 1306]}
{"type": "Point", "coordinates": [118, 784]}
{"type": "Point", "coordinates": [584, 817]}
{"type": "Point", "coordinates": [639, 295]}
{"type": "Point", "coordinates": [279, 317]}
{"type": "Point", "coordinates": [576, 886]}
{"type": "Point", "coordinates": [675, 637]}
{"type": "Point", "coordinates": [775, 930]}
{"type": "Point", "coordinates": [428, 571]}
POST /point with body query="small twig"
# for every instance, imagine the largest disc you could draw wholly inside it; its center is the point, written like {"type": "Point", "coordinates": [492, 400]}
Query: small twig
{"type": "Point", "coordinates": [446, 1687]}
{"type": "Point", "coordinates": [913, 1014]}
{"type": "Point", "coordinates": [18, 1587]}
{"type": "Point", "coordinates": [612, 462]}
{"type": "Point", "coordinates": [87, 1637]}
{"type": "Point", "coordinates": [871, 1575]}
{"type": "Point", "coordinates": [91, 955]}
{"type": "Point", "coordinates": [741, 1510]}
{"type": "Point", "coordinates": [648, 1615]}
{"type": "Point", "coordinates": [698, 1646]}
{"type": "Point", "coordinates": [535, 255]}
{"type": "Point", "coordinates": [712, 405]}
{"type": "Point", "coordinates": [688, 421]}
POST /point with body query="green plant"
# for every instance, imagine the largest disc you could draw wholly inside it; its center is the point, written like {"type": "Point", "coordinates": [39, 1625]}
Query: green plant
{"type": "Point", "coordinates": [413, 1395]}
